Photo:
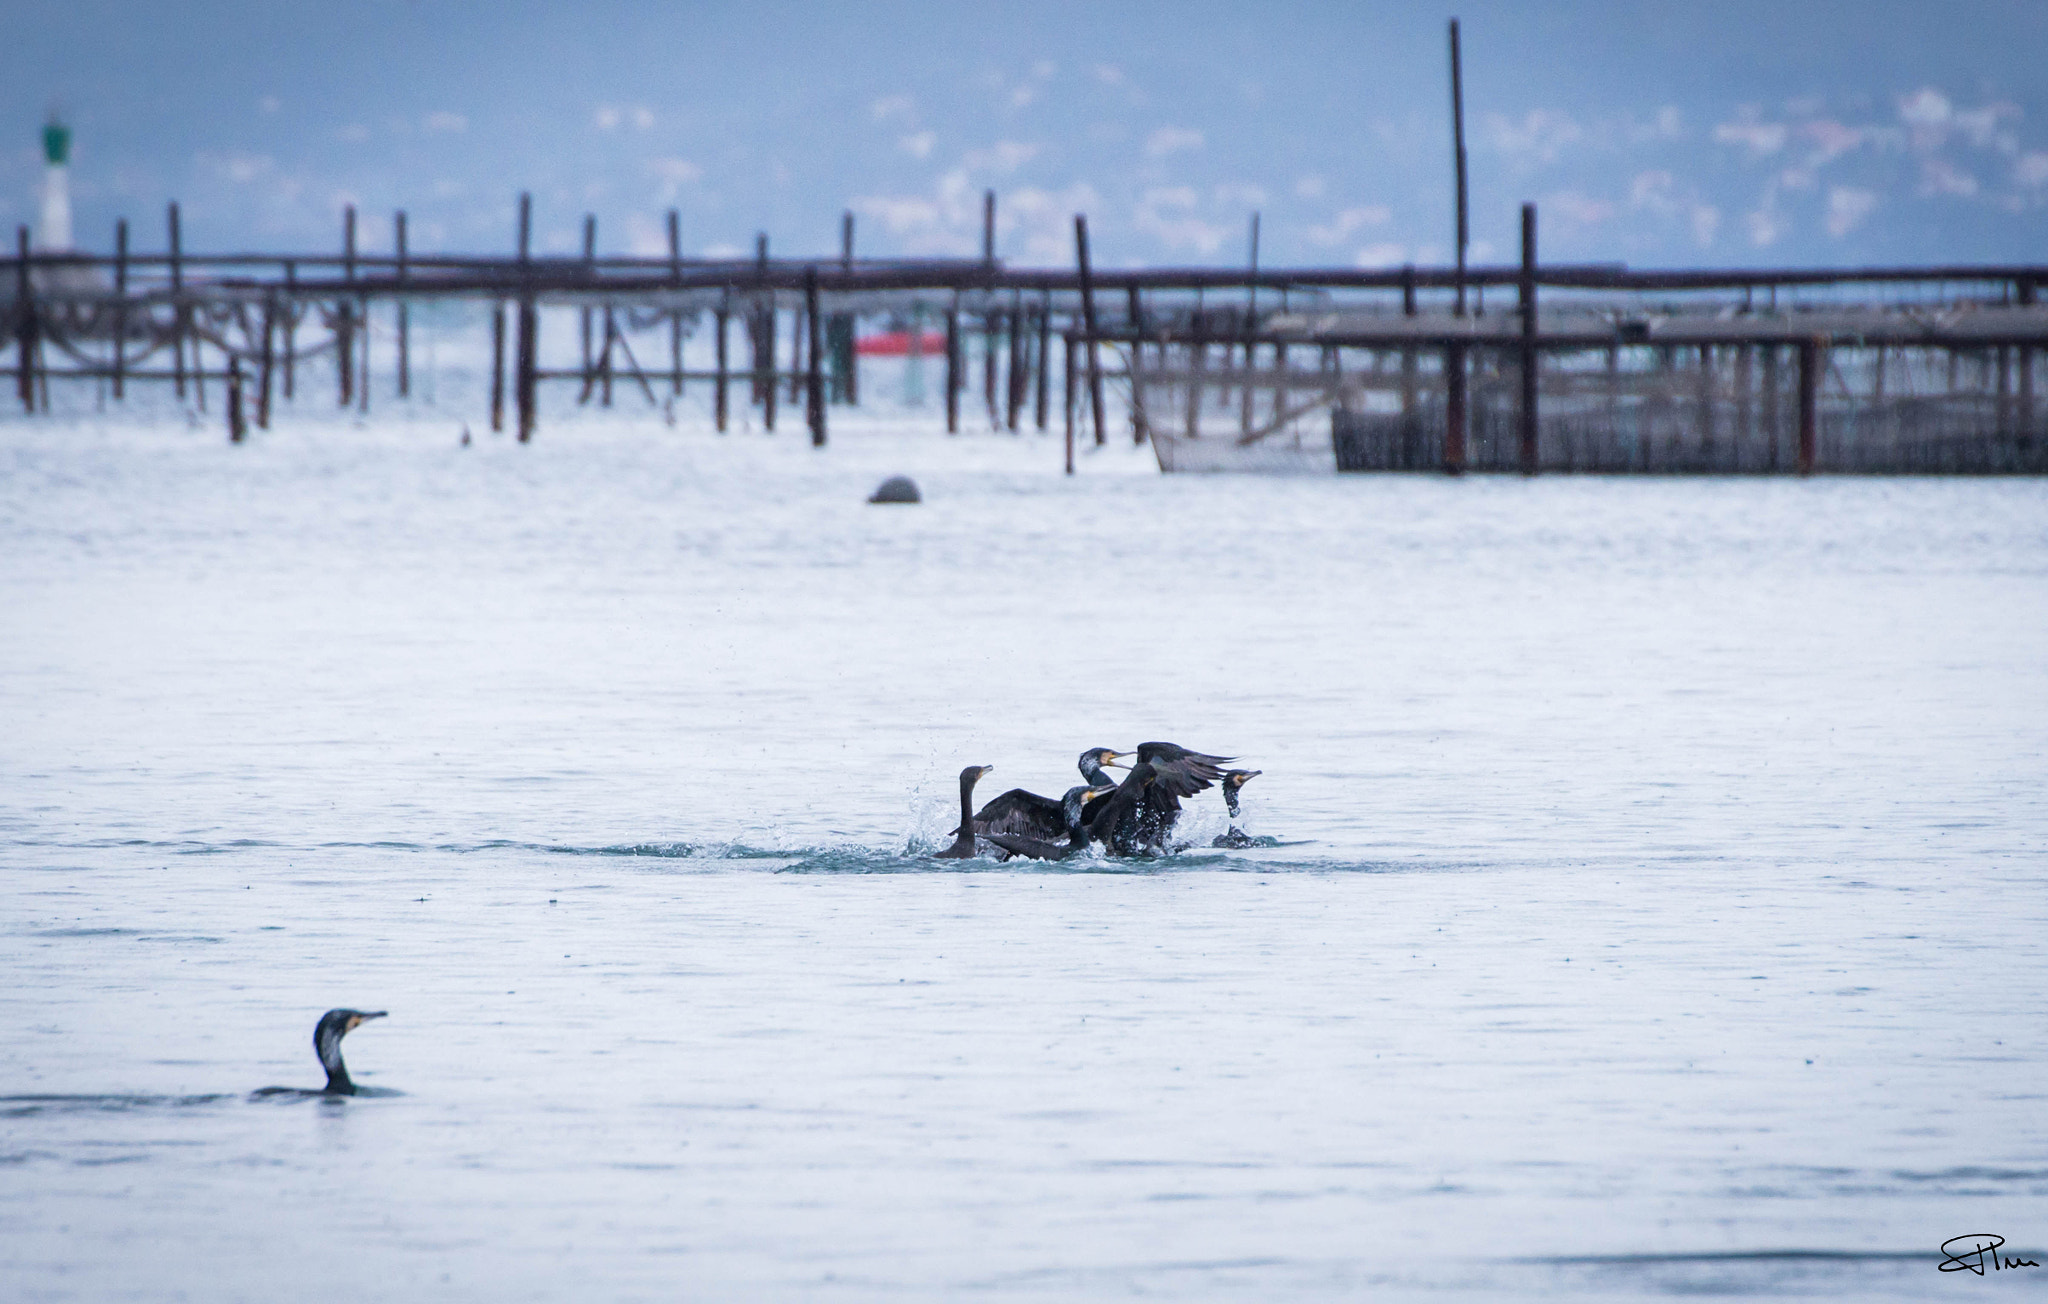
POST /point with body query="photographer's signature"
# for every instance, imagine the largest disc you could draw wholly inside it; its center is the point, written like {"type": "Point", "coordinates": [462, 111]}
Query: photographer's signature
{"type": "Point", "coordinates": [1971, 1253]}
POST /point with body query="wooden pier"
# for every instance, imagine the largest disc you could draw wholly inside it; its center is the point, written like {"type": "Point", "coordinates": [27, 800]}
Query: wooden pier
{"type": "Point", "coordinates": [1574, 368]}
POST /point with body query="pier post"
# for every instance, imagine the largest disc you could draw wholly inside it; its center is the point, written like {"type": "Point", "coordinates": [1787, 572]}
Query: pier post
{"type": "Point", "coordinates": [498, 366]}
{"type": "Point", "coordinates": [1454, 407]}
{"type": "Point", "coordinates": [1088, 319]}
{"type": "Point", "coordinates": [583, 313]}
{"type": "Point", "coordinates": [1020, 373]}
{"type": "Point", "coordinates": [1044, 372]}
{"type": "Point", "coordinates": [404, 313]}
{"type": "Point", "coordinates": [796, 356]}
{"type": "Point", "coordinates": [344, 308]}
{"type": "Point", "coordinates": [238, 427]}
{"type": "Point", "coordinates": [1774, 386]}
{"type": "Point", "coordinates": [815, 377]}
{"type": "Point", "coordinates": [291, 331]}
{"type": "Point", "coordinates": [1705, 398]}
{"type": "Point", "coordinates": [1527, 308]}
{"type": "Point", "coordinates": [526, 351]}
{"type": "Point", "coordinates": [264, 363]}
{"type": "Point", "coordinates": [2026, 360]}
{"type": "Point", "coordinates": [952, 366]}
{"type": "Point", "coordinates": [1408, 354]}
{"type": "Point", "coordinates": [720, 318]}
{"type": "Point", "coordinates": [1067, 393]}
{"type": "Point", "coordinates": [25, 323]}
{"type": "Point", "coordinates": [120, 307]}
{"type": "Point", "coordinates": [1464, 230]}
{"type": "Point", "coordinates": [604, 361]}
{"type": "Point", "coordinates": [1809, 403]}
{"type": "Point", "coordinates": [527, 383]}
{"type": "Point", "coordinates": [675, 315]}
{"type": "Point", "coordinates": [178, 309]}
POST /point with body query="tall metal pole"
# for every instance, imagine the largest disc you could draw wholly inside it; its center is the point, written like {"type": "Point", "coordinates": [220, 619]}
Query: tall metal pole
{"type": "Point", "coordinates": [1455, 421]}
{"type": "Point", "coordinates": [1527, 287]}
{"type": "Point", "coordinates": [1088, 320]}
{"type": "Point", "coordinates": [1458, 157]}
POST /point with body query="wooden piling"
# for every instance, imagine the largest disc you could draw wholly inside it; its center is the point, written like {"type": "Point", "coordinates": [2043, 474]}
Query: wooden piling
{"type": "Point", "coordinates": [1527, 305]}
{"type": "Point", "coordinates": [526, 386]}
{"type": "Point", "coordinates": [953, 367]}
{"type": "Point", "coordinates": [589, 364]}
{"type": "Point", "coordinates": [846, 241]}
{"type": "Point", "coordinates": [1464, 229]}
{"type": "Point", "coordinates": [1087, 277]}
{"type": "Point", "coordinates": [1705, 398]}
{"type": "Point", "coordinates": [720, 319]}
{"type": "Point", "coordinates": [24, 323]}
{"type": "Point", "coordinates": [497, 366]}
{"type": "Point", "coordinates": [120, 307]}
{"type": "Point", "coordinates": [238, 427]}
{"type": "Point", "coordinates": [1019, 371]}
{"type": "Point", "coordinates": [363, 389]}
{"type": "Point", "coordinates": [344, 352]}
{"type": "Point", "coordinates": [1809, 406]}
{"type": "Point", "coordinates": [604, 361]}
{"type": "Point", "coordinates": [2026, 361]}
{"type": "Point", "coordinates": [292, 312]}
{"type": "Point", "coordinates": [404, 313]}
{"type": "Point", "coordinates": [1067, 393]}
{"type": "Point", "coordinates": [179, 310]}
{"type": "Point", "coordinates": [265, 359]}
{"type": "Point", "coordinates": [797, 338]}
{"type": "Point", "coordinates": [1774, 387]}
{"type": "Point", "coordinates": [1043, 374]}
{"type": "Point", "coordinates": [1454, 408]}
{"type": "Point", "coordinates": [815, 398]}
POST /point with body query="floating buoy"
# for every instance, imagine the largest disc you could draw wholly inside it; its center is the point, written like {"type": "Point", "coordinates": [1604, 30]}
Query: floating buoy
{"type": "Point", "coordinates": [897, 489]}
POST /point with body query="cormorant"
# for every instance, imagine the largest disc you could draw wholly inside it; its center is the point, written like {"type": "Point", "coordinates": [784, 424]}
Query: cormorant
{"type": "Point", "coordinates": [963, 841]}
{"type": "Point", "coordinates": [1142, 812]}
{"type": "Point", "coordinates": [327, 1035]}
{"type": "Point", "coordinates": [1029, 815]}
{"type": "Point", "coordinates": [1232, 781]}
{"type": "Point", "coordinates": [1077, 834]}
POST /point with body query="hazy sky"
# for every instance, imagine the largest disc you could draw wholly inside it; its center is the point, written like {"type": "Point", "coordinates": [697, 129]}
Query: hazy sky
{"type": "Point", "coordinates": [1738, 133]}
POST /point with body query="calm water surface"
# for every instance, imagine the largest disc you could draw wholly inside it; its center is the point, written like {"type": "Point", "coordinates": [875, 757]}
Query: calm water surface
{"type": "Point", "coordinates": [1657, 888]}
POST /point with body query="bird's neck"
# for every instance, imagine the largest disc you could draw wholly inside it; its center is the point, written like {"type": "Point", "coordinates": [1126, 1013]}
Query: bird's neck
{"type": "Point", "coordinates": [1230, 801]}
{"type": "Point", "coordinates": [338, 1082]}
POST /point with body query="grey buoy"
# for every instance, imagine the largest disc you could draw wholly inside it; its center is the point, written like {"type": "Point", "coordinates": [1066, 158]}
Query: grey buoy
{"type": "Point", "coordinates": [897, 489]}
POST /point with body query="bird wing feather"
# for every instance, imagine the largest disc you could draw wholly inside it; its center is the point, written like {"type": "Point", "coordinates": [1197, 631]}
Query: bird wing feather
{"type": "Point", "coordinates": [1023, 814]}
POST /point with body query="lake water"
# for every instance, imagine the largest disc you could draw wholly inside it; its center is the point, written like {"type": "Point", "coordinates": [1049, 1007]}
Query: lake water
{"type": "Point", "coordinates": [1658, 885]}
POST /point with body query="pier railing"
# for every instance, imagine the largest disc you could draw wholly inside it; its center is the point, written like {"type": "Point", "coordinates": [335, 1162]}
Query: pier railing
{"type": "Point", "coordinates": [1796, 369]}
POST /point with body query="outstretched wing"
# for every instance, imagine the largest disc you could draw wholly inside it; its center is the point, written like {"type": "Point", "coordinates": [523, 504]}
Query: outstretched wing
{"type": "Point", "coordinates": [1022, 814]}
{"type": "Point", "coordinates": [1180, 771]}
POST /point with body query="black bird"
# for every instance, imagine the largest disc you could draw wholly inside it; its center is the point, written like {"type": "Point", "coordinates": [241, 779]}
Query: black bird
{"type": "Point", "coordinates": [1142, 813]}
{"type": "Point", "coordinates": [1232, 781]}
{"type": "Point", "coordinates": [963, 841]}
{"type": "Point", "coordinates": [327, 1035]}
{"type": "Point", "coordinates": [1071, 805]}
{"type": "Point", "coordinates": [1029, 815]}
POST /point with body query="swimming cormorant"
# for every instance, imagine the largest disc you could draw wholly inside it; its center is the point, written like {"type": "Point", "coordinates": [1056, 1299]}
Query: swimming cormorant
{"type": "Point", "coordinates": [1232, 781]}
{"type": "Point", "coordinates": [327, 1035]}
{"type": "Point", "coordinates": [1142, 813]}
{"type": "Point", "coordinates": [963, 841]}
{"type": "Point", "coordinates": [1029, 815]}
{"type": "Point", "coordinates": [1077, 833]}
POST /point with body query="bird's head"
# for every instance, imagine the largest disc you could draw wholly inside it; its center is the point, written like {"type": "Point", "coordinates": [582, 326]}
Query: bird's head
{"type": "Point", "coordinates": [333, 1026]}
